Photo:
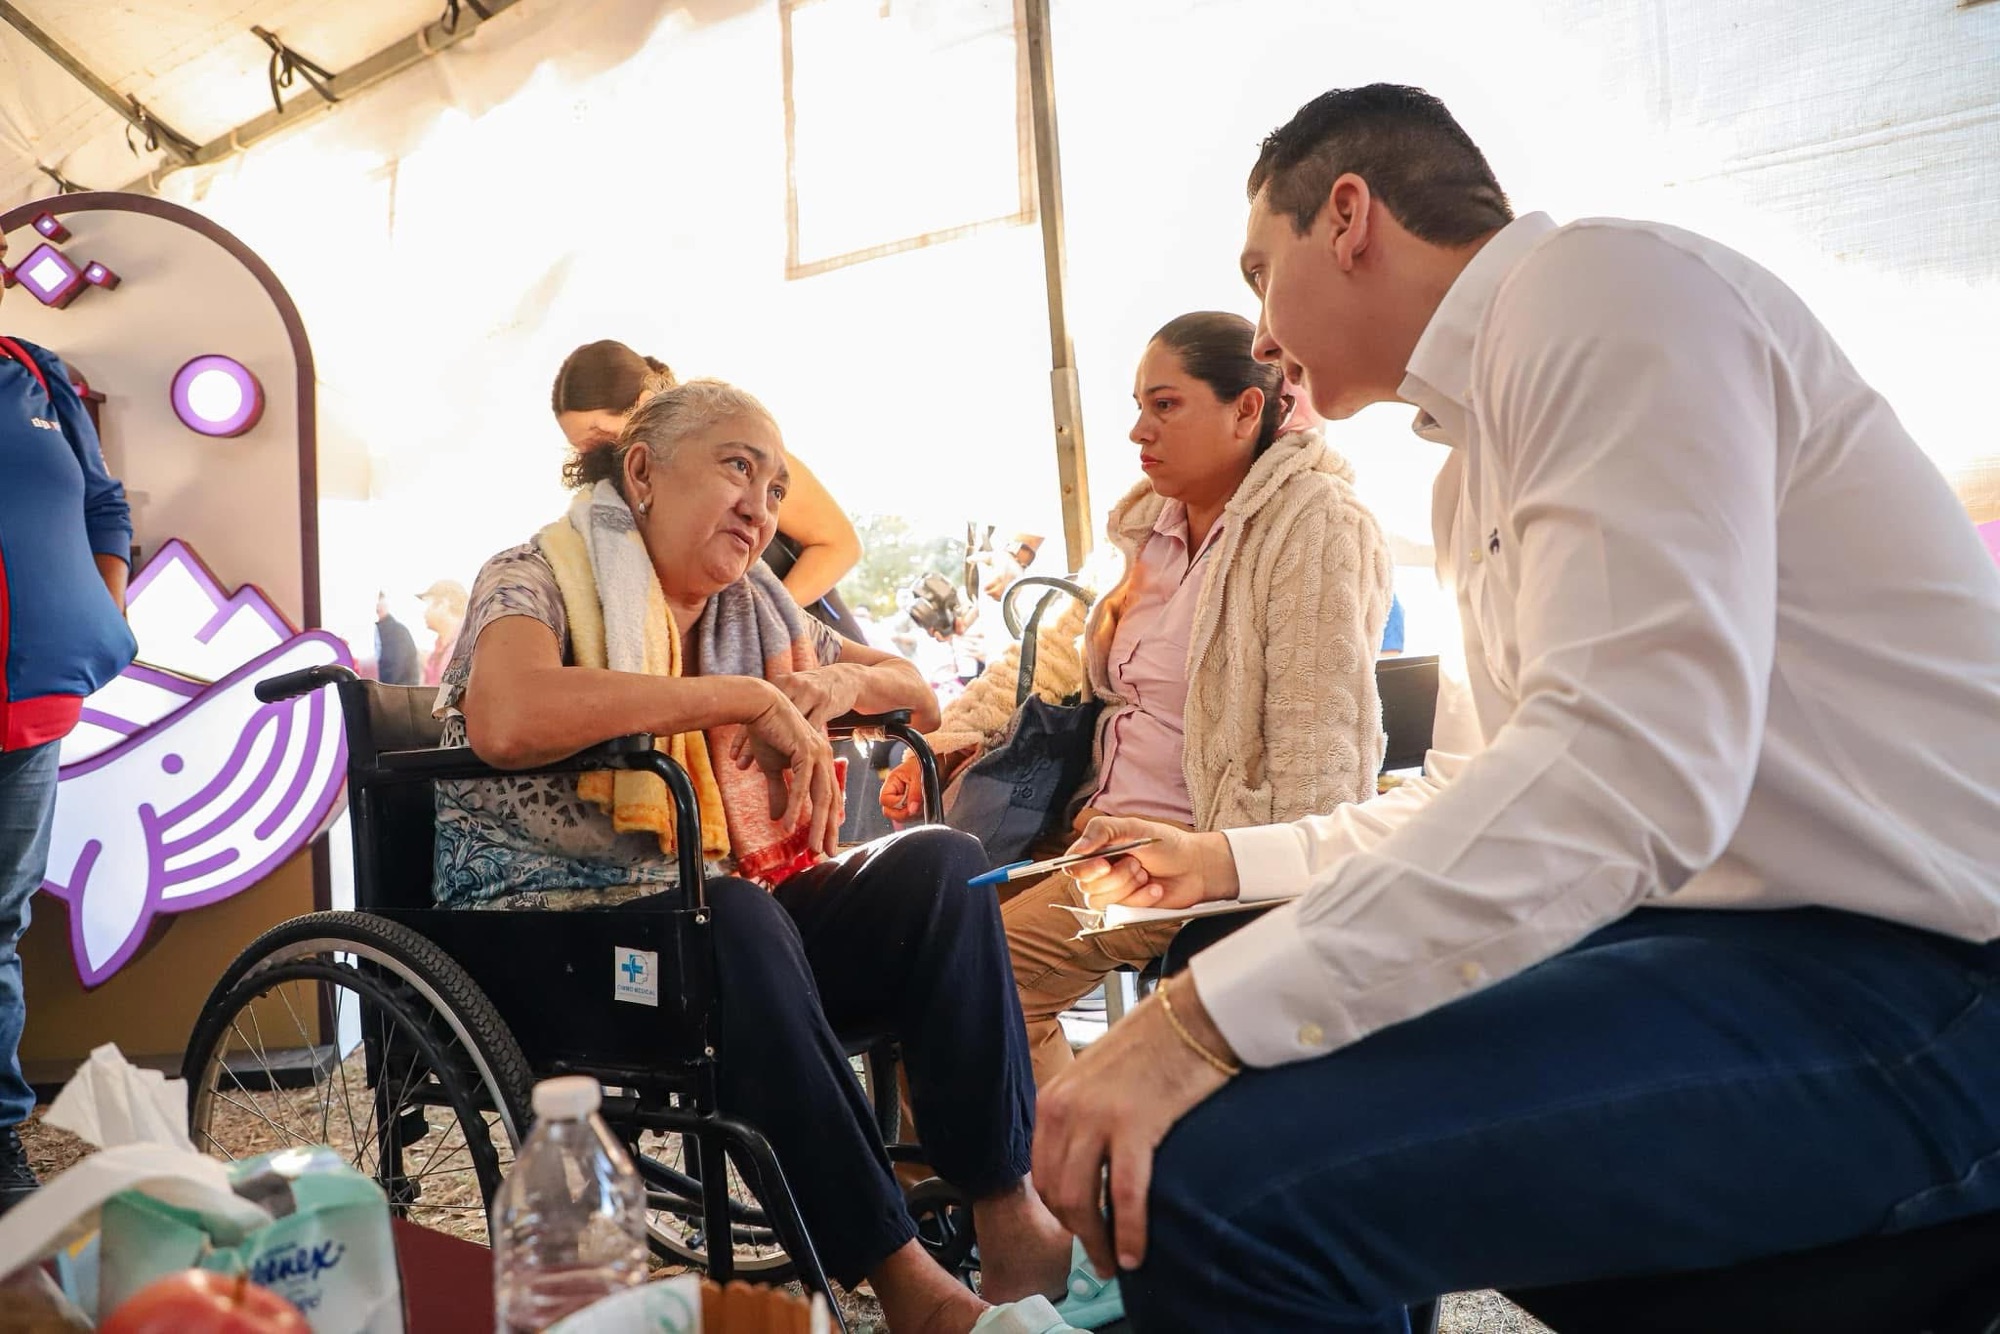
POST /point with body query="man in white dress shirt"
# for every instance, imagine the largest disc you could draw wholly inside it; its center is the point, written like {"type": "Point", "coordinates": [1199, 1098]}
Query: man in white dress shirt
{"type": "Point", "coordinates": [1677, 955]}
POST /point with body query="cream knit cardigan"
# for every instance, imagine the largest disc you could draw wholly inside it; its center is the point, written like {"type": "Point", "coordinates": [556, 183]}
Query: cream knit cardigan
{"type": "Point", "coordinates": [1282, 717]}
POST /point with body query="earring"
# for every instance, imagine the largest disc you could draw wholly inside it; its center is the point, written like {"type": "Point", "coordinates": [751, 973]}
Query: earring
{"type": "Point", "coordinates": [645, 508]}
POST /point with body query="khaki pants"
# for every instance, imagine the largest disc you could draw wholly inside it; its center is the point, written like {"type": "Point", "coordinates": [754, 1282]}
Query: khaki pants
{"type": "Point", "coordinates": [1053, 970]}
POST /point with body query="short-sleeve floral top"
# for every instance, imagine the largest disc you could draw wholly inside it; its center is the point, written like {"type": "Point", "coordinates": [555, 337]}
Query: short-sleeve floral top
{"type": "Point", "coordinates": [533, 842]}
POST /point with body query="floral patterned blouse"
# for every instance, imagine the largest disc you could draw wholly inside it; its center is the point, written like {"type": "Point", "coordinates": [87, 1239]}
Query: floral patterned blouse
{"type": "Point", "coordinates": [532, 842]}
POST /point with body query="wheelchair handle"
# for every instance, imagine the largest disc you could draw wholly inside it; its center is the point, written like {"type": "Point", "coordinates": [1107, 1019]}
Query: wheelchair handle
{"type": "Point", "coordinates": [687, 821]}
{"type": "Point", "coordinates": [1011, 615]}
{"type": "Point", "coordinates": [895, 725]}
{"type": "Point", "coordinates": [847, 724]}
{"type": "Point", "coordinates": [292, 684]}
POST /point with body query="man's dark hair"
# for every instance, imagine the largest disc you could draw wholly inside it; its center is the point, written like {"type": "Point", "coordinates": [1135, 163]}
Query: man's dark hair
{"type": "Point", "coordinates": [1416, 159]}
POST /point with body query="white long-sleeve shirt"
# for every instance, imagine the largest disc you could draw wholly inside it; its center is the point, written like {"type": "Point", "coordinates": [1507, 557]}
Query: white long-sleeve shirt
{"type": "Point", "coordinates": [1730, 642]}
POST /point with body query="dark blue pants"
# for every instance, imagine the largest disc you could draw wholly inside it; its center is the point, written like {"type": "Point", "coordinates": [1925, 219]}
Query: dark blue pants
{"type": "Point", "coordinates": [1681, 1090]}
{"type": "Point", "coordinates": [27, 814]}
{"type": "Point", "coordinates": [887, 939]}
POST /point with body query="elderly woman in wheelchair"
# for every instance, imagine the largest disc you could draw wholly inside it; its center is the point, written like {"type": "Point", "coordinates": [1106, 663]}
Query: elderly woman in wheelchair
{"type": "Point", "coordinates": [645, 610]}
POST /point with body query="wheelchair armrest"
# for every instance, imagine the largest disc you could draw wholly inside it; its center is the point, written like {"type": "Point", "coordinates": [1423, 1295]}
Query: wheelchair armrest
{"type": "Point", "coordinates": [895, 725]}
{"type": "Point", "coordinates": [459, 764]}
{"type": "Point", "coordinates": [292, 684]}
{"type": "Point", "coordinates": [849, 723]}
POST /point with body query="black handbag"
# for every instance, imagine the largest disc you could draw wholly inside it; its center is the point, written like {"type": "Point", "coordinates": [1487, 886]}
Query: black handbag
{"type": "Point", "coordinates": [1018, 791]}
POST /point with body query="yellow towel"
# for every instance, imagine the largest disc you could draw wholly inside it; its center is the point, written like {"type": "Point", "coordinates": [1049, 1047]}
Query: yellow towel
{"type": "Point", "coordinates": [636, 802]}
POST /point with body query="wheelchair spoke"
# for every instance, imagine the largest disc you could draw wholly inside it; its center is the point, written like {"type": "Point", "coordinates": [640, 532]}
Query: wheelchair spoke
{"type": "Point", "coordinates": [444, 1137]}
{"type": "Point", "coordinates": [430, 1131]}
{"type": "Point", "coordinates": [326, 1107]}
{"type": "Point", "coordinates": [675, 1223]}
{"type": "Point", "coordinates": [244, 1107]}
{"type": "Point", "coordinates": [263, 1063]}
{"type": "Point", "coordinates": [340, 1070]}
{"type": "Point", "coordinates": [366, 1135]}
{"type": "Point", "coordinates": [290, 1135]}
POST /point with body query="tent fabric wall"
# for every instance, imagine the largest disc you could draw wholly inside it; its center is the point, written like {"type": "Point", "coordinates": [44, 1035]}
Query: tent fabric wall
{"type": "Point", "coordinates": [453, 236]}
{"type": "Point", "coordinates": [195, 64]}
{"type": "Point", "coordinates": [617, 168]}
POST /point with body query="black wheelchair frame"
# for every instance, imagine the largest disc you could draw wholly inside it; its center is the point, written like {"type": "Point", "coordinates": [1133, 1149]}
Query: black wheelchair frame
{"type": "Point", "coordinates": [658, 1064]}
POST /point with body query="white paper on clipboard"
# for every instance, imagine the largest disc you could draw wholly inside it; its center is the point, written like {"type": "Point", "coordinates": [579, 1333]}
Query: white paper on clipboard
{"type": "Point", "coordinates": [1096, 921]}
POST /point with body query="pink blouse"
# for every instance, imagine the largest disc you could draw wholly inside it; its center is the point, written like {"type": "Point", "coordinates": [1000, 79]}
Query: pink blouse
{"type": "Point", "coordinates": [1142, 773]}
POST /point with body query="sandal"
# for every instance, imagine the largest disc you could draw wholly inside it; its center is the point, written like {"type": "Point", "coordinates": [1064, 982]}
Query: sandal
{"type": "Point", "coordinates": [1030, 1315]}
{"type": "Point", "coordinates": [1089, 1302]}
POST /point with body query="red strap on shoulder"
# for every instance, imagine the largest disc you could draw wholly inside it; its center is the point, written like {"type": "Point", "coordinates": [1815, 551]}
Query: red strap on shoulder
{"type": "Point", "coordinates": [10, 348]}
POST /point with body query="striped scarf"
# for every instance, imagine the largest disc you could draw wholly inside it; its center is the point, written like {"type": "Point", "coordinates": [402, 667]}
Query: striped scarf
{"type": "Point", "coordinates": [619, 619]}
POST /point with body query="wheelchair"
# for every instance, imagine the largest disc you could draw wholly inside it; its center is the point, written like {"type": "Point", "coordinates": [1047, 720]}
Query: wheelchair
{"type": "Point", "coordinates": [408, 1036]}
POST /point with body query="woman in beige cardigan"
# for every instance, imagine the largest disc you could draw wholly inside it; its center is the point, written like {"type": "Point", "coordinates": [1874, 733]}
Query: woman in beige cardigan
{"type": "Point", "coordinates": [1235, 658]}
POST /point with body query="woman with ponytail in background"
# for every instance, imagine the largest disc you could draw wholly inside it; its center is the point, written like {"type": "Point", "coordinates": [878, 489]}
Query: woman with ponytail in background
{"type": "Point", "coordinates": [595, 391]}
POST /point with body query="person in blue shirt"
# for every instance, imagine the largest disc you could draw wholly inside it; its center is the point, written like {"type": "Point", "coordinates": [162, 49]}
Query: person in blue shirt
{"type": "Point", "coordinates": [65, 547]}
{"type": "Point", "coordinates": [396, 660]}
{"type": "Point", "coordinates": [1392, 629]}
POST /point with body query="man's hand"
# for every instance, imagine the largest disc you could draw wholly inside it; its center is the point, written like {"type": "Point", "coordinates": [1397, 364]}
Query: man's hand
{"type": "Point", "coordinates": [1114, 1106]}
{"type": "Point", "coordinates": [823, 693]}
{"type": "Point", "coordinates": [797, 761]}
{"type": "Point", "coordinates": [1179, 871]}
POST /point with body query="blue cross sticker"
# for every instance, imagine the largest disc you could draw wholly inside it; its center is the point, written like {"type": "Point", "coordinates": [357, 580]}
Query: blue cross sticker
{"type": "Point", "coordinates": [633, 969]}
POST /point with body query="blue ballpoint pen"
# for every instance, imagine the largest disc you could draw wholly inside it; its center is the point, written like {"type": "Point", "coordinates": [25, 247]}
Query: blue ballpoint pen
{"type": "Point", "coordinates": [1001, 875]}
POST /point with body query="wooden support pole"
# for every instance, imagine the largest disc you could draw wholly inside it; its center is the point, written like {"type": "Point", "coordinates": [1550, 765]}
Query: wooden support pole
{"type": "Point", "coordinates": [1072, 471]}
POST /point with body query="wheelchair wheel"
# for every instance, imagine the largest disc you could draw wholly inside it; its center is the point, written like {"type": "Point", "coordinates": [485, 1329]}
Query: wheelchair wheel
{"type": "Point", "coordinates": [671, 1166]}
{"type": "Point", "coordinates": [944, 1227]}
{"type": "Point", "coordinates": [351, 1031]}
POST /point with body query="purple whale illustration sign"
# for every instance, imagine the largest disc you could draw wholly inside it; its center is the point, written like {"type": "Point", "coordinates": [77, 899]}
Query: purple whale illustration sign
{"type": "Point", "coordinates": [179, 787]}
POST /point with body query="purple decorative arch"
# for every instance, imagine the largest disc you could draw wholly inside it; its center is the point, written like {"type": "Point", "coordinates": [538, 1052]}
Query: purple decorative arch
{"type": "Point", "coordinates": [305, 390]}
{"type": "Point", "coordinates": [109, 201]}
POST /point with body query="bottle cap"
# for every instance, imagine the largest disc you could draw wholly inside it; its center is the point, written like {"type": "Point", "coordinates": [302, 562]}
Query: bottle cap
{"type": "Point", "coordinates": [567, 1098]}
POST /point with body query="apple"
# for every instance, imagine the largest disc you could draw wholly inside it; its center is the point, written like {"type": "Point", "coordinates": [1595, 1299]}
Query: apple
{"type": "Point", "coordinates": [201, 1301]}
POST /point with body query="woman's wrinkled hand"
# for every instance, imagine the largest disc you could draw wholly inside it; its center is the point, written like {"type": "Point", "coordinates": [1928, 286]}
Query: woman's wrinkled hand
{"type": "Point", "coordinates": [903, 790]}
{"type": "Point", "coordinates": [823, 693]}
{"type": "Point", "coordinates": [903, 786]}
{"type": "Point", "coordinates": [1178, 870]}
{"type": "Point", "coordinates": [797, 761]}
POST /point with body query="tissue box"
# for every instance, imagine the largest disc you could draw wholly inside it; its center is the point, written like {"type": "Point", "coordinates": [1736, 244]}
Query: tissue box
{"type": "Point", "coordinates": [327, 1249]}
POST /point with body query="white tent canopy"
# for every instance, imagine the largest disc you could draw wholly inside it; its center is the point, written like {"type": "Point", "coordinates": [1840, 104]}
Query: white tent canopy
{"type": "Point", "coordinates": [732, 184]}
{"type": "Point", "coordinates": [197, 68]}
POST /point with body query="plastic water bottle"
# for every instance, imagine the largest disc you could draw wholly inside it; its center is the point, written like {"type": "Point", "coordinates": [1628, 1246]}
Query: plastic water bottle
{"type": "Point", "coordinates": [569, 1225]}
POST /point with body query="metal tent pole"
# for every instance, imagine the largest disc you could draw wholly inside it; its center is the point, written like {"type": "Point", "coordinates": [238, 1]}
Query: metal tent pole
{"type": "Point", "coordinates": [390, 61]}
{"type": "Point", "coordinates": [1071, 468]}
{"type": "Point", "coordinates": [140, 119]}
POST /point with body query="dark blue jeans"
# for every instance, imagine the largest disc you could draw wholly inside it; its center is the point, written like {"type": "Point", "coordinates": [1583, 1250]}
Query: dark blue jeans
{"type": "Point", "coordinates": [27, 813]}
{"type": "Point", "coordinates": [1681, 1090]}
{"type": "Point", "coordinates": [887, 939]}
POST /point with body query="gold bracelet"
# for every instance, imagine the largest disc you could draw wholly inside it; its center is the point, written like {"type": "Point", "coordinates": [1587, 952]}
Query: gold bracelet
{"type": "Point", "coordinates": [1229, 1069]}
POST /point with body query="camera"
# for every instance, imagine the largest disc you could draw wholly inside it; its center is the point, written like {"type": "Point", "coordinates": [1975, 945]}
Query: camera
{"type": "Point", "coordinates": [935, 604]}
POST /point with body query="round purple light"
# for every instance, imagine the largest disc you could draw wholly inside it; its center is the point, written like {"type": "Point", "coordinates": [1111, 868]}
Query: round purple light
{"type": "Point", "coordinates": [218, 396]}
